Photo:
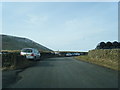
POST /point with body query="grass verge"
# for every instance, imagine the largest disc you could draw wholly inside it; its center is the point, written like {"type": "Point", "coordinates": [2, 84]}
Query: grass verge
{"type": "Point", "coordinates": [99, 61]}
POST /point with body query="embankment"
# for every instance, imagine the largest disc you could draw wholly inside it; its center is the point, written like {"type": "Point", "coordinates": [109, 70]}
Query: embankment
{"type": "Point", "coordinates": [104, 57]}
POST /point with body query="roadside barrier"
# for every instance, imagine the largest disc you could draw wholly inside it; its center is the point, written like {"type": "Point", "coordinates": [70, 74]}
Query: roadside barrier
{"type": "Point", "coordinates": [13, 60]}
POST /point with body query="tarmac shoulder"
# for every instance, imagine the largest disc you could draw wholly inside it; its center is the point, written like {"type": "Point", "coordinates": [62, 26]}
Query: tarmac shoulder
{"type": "Point", "coordinates": [9, 77]}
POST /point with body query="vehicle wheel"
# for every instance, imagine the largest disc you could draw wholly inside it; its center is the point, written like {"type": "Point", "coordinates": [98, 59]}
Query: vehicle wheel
{"type": "Point", "coordinates": [35, 58]}
{"type": "Point", "coordinates": [39, 58]}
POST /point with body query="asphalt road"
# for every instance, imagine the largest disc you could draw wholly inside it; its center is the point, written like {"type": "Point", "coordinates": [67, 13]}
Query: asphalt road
{"type": "Point", "coordinates": [66, 72]}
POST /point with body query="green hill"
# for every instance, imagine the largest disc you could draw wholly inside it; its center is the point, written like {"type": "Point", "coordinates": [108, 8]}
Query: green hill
{"type": "Point", "coordinates": [17, 43]}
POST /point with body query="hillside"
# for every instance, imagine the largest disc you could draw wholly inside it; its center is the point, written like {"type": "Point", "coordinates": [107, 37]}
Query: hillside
{"type": "Point", "coordinates": [17, 43]}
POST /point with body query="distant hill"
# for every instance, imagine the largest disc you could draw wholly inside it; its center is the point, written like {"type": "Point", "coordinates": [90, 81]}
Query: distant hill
{"type": "Point", "coordinates": [17, 43]}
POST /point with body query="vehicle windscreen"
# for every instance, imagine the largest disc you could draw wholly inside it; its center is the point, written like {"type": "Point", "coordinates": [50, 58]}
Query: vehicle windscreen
{"type": "Point", "coordinates": [27, 50]}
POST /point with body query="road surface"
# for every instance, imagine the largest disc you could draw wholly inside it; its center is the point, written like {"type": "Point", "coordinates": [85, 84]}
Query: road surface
{"type": "Point", "coordinates": [66, 72]}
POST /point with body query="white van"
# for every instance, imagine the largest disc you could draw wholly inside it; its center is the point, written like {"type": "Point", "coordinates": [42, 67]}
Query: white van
{"type": "Point", "coordinates": [30, 53]}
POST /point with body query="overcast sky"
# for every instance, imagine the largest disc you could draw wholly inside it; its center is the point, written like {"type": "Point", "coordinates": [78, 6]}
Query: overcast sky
{"type": "Point", "coordinates": [76, 26]}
